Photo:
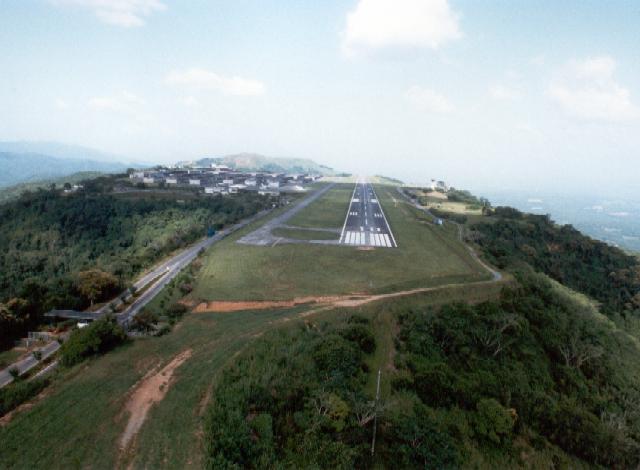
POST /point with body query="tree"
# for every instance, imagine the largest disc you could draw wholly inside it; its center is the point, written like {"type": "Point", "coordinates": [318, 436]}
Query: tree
{"type": "Point", "coordinates": [493, 422]}
{"type": "Point", "coordinates": [94, 284]}
{"type": "Point", "coordinates": [144, 321]}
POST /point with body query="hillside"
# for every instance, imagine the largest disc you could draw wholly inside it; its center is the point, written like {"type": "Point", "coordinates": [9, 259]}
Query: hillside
{"type": "Point", "coordinates": [257, 162]}
{"type": "Point", "coordinates": [12, 192]}
{"type": "Point", "coordinates": [25, 161]}
{"type": "Point", "coordinates": [276, 364]}
{"type": "Point", "coordinates": [49, 237]}
{"type": "Point", "coordinates": [58, 150]}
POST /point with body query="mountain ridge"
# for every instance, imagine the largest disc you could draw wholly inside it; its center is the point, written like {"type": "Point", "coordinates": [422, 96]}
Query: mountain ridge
{"type": "Point", "coordinates": [257, 162]}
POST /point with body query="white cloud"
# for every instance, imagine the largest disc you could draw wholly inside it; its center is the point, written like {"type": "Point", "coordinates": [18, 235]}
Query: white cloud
{"type": "Point", "coordinates": [429, 100]}
{"type": "Point", "coordinates": [61, 104]}
{"type": "Point", "coordinates": [380, 24]}
{"type": "Point", "coordinates": [200, 78]}
{"type": "Point", "coordinates": [125, 102]}
{"type": "Point", "coordinates": [191, 102]}
{"type": "Point", "coordinates": [125, 13]}
{"type": "Point", "coordinates": [504, 93]}
{"type": "Point", "coordinates": [587, 89]}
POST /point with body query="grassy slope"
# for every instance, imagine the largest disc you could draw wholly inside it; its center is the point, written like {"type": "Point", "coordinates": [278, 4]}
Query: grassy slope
{"type": "Point", "coordinates": [83, 418]}
{"type": "Point", "coordinates": [79, 424]}
{"type": "Point", "coordinates": [427, 256]}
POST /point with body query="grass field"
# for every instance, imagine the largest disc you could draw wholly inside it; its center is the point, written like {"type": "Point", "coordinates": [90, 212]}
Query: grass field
{"type": "Point", "coordinates": [79, 423]}
{"type": "Point", "coordinates": [9, 357]}
{"type": "Point", "coordinates": [327, 212]}
{"type": "Point", "coordinates": [299, 234]}
{"type": "Point", "coordinates": [426, 256]}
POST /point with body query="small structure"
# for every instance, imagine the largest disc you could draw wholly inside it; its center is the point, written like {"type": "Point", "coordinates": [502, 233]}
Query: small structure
{"type": "Point", "coordinates": [73, 315]}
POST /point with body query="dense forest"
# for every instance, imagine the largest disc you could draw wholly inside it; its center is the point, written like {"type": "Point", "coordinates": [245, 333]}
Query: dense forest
{"type": "Point", "coordinates": [599, 270]}
{"type": "Point", "coordinates": [530, 379]}
{"type": "Point", "coordinates": [57, 248]}
{"type": "Point", "coordinates": [538, 378]}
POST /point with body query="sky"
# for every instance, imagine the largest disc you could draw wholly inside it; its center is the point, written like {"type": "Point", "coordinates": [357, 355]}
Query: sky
{"type": "Point", "coordinates": [493, 94]}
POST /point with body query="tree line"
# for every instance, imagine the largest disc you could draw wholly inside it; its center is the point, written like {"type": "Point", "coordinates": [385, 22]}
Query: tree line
{"type": "Point", "coordinates": [69, 251]}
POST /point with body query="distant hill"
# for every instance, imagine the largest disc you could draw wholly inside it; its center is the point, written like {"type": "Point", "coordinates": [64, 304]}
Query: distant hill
{"type": "Point", "coordinates": [58, 150]}
{"type": "Point", "coordinates": [12, 192]}
{"type": "Point", "coordinates": [256, 162]}
{"type": "Point", "coordinates": [22, 162]}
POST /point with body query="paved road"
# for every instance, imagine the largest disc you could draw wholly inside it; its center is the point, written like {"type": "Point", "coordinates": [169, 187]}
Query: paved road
{"type": "Point", "coordinates": [365, 223]}
{"type": "Point", "coordinates": [263, 236]}
{"type": "Point", "coordinates": [165, 272]}
{"type": "Point", "coordinates": [159, 277]}
{"type": "Point", "coordinates": [28, 363]}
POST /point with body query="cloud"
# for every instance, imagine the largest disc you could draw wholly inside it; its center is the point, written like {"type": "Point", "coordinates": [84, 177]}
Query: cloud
{"type": "Point", "coordinates": [504, 93]}
{"type": "Point", "coordinates": [61, 104]}
{"type": "Point", "coordinates": [125, 13]}
{"type": "Point", "coordinates": [399, 24]}
{"type": "Point", "coordinates": [125, 102]}
{"type": "Point", "coordinates": [204, 79]}
{"type": "Point", "coordinates": [587, 89]}
{"type": "Point", "coordinates": [429, 100]}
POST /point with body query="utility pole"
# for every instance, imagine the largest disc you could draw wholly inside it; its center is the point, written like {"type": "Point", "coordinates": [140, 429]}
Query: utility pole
{"type": "Point", "coordinates": [375, 416]}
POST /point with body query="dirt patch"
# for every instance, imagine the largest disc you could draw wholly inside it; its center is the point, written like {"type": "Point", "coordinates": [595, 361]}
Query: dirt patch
{"type": "Point", "coordinates": [151, 389]}
{"type": "Point", "coordinates": [366, 248]}
{"type": "Point", "coordinates": [231, 306]}
{"type": "Point", "coordinates": [353, 300]}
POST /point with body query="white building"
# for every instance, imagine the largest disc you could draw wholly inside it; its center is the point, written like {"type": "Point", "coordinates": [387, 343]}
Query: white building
{"type": "Point", "coordinates": [194, 182]}
{"type": "Point", "coordinates": [172, 180]}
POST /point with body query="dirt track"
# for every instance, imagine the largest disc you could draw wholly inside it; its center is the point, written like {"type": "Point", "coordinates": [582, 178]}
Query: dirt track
{"type": "Point", "coordinates": [354, 300]}
{"type": "Point", "coordinates": [151, 389]}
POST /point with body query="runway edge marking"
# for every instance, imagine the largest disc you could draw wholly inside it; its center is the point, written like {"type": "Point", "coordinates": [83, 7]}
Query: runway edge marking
{"type": "Point", "coordinates": [395, 244]}
{"type": "Point", "coordinates": [344, 226]}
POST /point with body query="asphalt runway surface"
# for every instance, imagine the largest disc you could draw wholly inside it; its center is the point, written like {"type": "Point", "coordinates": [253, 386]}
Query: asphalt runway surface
{"type": "Point", "coordinates": [365, 223]}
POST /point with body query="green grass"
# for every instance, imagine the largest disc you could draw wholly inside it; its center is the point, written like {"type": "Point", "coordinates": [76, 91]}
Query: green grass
{"type": "Point", "coordinates": [9, 357]}
{"type": "Point", "coordinates": [327, 212]}
{"type": "Point", "coordinates": [80, 423]}
{"type": "Point", "coordinates": [427, 256]}
{"type": "Point", "coordinates": [299, 234]}
{"type": "Point", "coordinates": [81, 420]}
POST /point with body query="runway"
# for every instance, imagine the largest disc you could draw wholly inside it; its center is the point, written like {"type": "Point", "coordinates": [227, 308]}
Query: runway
{"type": "Point", "coordinates": [366, 223]}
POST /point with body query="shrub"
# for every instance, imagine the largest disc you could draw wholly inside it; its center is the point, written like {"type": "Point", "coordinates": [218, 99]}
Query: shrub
{"type": "Point", "coordinates": [362, 336]}
{"type": "Point", "coordinates": [493, 422]}
{"type": "Point", "coordinates": [97, 338]}
{"type": "Point", "coordinates": [17, 393]}
{"type": "Point", "coordinates": [177, 310]}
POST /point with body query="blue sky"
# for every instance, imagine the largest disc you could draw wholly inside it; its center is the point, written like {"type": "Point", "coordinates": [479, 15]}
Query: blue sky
{"type": "Point", "coordinates": [484, 94]}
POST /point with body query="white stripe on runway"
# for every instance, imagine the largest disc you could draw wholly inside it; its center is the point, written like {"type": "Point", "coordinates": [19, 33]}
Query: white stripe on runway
{"type": "Point", "coordinates": [386, 238]}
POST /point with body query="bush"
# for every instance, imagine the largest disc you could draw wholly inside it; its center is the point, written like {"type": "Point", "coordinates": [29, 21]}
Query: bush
{"type": "Point", "coordinates": [15, 394]}
{"type": "Point", "coordinates": [163, 330]}
{"type": "Point", "coordinates": [177, 310]}
{"type": "Point", "coordinates": [97, 338]}
{"type": "Point", "coordinates": [493, 422]}
{"type": "Point", "coordinates": [362, 336]}
{"type": "Point", "coordinates": [416, 441]}
{"type": "Point", "coordinates": [15, 373]}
